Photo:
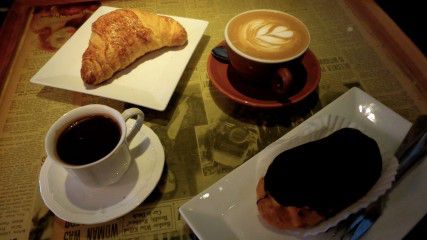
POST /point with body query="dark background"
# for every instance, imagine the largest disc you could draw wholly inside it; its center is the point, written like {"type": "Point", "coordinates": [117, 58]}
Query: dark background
{"type": "Point", "coordinates": [408, 15]}
{"type": "Point", "coordinates": [4, 6]}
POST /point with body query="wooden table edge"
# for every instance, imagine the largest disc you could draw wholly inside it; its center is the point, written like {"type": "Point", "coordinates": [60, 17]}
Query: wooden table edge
{"type": "Point", "coordinates": [404, 52]}
{"type": "Point", "coordinates": [13, 28]}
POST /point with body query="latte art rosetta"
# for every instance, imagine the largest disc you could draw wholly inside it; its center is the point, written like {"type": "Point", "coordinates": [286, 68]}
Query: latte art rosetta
{"type": "Point", "coordinates": [266, 34]}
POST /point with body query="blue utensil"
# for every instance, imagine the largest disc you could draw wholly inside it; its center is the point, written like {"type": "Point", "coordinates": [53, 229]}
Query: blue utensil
{"type": "Point", "coordinates": [364, 220]}
{"type": "Point", "coordinates": [220, 53]}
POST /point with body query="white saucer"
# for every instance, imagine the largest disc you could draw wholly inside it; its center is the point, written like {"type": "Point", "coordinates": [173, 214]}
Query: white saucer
{"type": "Point", "coordinates": [71, 200]}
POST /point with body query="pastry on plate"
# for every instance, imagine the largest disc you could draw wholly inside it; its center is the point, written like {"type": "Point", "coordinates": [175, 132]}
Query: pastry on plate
{"type": "Point", "coordinates": [120, 37]}
{"type": "Point", "coordinates": [314, 181]}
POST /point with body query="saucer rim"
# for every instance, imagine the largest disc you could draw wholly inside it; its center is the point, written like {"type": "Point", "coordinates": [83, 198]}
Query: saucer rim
{"type": "Point", "coordinates": [137, 195]}
{"type": "Point", "coordinates": [257, 103]}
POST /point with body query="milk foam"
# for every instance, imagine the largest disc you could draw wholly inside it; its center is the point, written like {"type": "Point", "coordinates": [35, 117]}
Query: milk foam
{"type": "Point", "coordinates": [267, 35]}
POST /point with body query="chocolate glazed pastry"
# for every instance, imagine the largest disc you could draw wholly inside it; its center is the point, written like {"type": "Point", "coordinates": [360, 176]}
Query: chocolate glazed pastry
{"type": "Point", "coordinates": [321, 177]}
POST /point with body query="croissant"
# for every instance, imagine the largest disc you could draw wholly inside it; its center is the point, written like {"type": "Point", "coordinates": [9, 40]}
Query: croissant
{"type": "Point", "coordinates": [121, 36]}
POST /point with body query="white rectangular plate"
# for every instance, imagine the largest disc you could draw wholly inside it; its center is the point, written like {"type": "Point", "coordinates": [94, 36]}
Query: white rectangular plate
{"type": "Point", "coordinates": [148, 82]}
{"type": "Point", "coordinates": [227, 209]}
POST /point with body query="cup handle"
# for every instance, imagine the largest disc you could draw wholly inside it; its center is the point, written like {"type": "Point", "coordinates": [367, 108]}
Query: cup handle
{"type": "Point", "coordinates": [282, 84]}
{"type": "Point", "coordinates": [130, 113]}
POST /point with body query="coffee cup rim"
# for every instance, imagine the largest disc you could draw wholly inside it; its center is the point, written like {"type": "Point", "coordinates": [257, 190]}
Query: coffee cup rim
{"type": "Point", "coordinates": [260, 60]}
{"type": "Point", "coordinates": [71, 116]}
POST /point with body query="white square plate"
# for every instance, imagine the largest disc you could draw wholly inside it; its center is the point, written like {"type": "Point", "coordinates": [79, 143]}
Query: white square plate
{"type": "Point", "coordinates": [227, 209]}
{"type": "Point", "coordinates": [148, 82]}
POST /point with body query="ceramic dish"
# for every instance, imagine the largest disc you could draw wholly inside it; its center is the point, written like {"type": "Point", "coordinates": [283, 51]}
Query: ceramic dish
{"type": "Point", "coordinates": [71, 200]}
{"type": "Point", "coordinates": [254, 95]}
{"type": "Point", "coordinates": [227, 209]}
{"type": "Point", "coordinates": [148, 82]}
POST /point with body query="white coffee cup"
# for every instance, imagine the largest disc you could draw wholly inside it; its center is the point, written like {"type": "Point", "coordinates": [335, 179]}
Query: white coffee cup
{"type": "Point", "coordinates": [108, 169]}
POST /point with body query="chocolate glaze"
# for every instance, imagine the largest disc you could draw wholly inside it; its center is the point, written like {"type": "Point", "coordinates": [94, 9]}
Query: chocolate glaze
{"type": "Point", "coordinates": [326, 175]}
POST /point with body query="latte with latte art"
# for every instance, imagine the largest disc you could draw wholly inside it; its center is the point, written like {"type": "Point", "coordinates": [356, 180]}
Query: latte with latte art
{"type": "Point", "coordinates": [268, 35]}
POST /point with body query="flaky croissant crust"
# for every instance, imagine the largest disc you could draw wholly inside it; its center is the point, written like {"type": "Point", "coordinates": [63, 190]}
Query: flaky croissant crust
{"type": "Point", "coordinates": [121, 36]}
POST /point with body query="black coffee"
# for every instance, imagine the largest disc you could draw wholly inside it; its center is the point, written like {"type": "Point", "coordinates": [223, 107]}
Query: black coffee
{"type": "Point", "coordinates": [88, 139]}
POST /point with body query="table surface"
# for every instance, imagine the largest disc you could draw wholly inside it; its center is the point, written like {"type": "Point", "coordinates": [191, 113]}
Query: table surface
{"type": "Point", "coordinates": [357, 46]}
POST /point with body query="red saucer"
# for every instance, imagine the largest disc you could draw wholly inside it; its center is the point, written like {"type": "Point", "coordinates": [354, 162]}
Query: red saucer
{"type": "Point", "coordinates": [255, 96]}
